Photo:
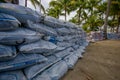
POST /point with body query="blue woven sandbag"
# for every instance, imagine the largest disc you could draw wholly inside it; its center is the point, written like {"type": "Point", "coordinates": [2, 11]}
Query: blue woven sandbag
{"type": "Point", "coordinates": [64, 53]}
{"type": "Point", "coordinates": [22, 61]}
{"type": "Point", "coordinates": [71, 60]}
{"type": "Point", "coordinates": [34, 70]}
{"type": "Point", "coordinates": [19, 36]}
{"type": "Point", "coordinates": [21, 13]}
{"type": "Point", "coordinates": [7, 52]}
{"type": "Point", "coordinates": [56, 71]}
{"type": "Point", "coordinates": [12, 75]}
{"type": "Point", "coordinates": [8, 22]}
{"type": "Point", "coordinates": [38, 47]}
{"type": "Point", "coordinates": [46, 30]}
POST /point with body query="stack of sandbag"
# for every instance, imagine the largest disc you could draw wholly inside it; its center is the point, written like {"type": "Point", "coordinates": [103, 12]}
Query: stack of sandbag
{"type": "Point", "coordinates": [37, 47]}
{"type": "Point", "coordinates": [113, 36]}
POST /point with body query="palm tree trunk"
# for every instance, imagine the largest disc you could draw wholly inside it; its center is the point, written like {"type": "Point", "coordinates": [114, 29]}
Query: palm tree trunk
{"type": "Point", "coordinates": [40, 6]}
{"type": "Point", "coordinates": [106, 20]}
{"type": "Point", "coordinates": [117, 30]}
{"type": "Point", "coordinates": [65, 12]}
{"type": "Point", "coordinates": [25, 3]}
{"type": "Point", "coordinates": [79, 14]}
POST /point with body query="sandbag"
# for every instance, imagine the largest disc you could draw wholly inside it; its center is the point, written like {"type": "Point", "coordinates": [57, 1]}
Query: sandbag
{"type": "Point", "coordinates": [19, 36]}
{"type": "Point", "coordinates": [50, 39]}
{"type": "Point", "coordinates": [34, 70]}
{"type": "Point", "coordinates": [63, 31]}
{"type": "Point", "coordinates": [21, 13]}
{"type": "Point", "coordinates": [55, 23]}
{"type": "Point", "coordinates": [38, 47]}
{"type": "Point", "coordinates": [75, 47]}
{"type": "Point", "coordinates": [42, 77]}
{"type": "Point", "coordinates": [71, 60]}
{"type": "Point", "coordinates": [7, 52]}
{"type": "Point", "coordinates": [42, 28]}
{"type": "Point", "coordinates": [58, 49]}
{"type": "Point", "coordinates": [64, 53]}
{"type": "Point", "coordinates": [67, 37]}
{"type": "Point", "coordinates": [22, 61]}
{"type": "Point", "coordinates": [12, 75]}
{"type": "Point", "coordinates": [78, 53]}
{"type": "Point", "coordinates": [65, 44]}
{"type": "Point", "coordinates": [8, 22]}
{"type": "Point", "coordinates": [57, 70]}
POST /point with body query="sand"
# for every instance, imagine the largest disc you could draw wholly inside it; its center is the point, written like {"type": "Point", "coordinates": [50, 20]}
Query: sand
{"type": "Point", "coordinates": [101, 61]}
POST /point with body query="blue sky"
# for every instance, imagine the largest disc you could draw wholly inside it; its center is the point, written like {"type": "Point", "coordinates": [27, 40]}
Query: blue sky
{"type": "Point", "coordinates": [46, 5]}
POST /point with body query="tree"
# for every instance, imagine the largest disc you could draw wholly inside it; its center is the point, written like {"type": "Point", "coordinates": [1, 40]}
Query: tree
{"type": "Point", "coordinates": [36, 3]}
{"type": "Point", "coordinates": [106, 19]}
{"type": "Point", "coordinates": [63, 4]}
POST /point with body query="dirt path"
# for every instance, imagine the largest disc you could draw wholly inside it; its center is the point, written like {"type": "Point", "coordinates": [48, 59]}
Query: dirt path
{"type": "Point", "coordinates": [101, 61]}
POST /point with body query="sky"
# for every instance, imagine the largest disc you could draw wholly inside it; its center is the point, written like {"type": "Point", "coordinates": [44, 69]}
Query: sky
{"type": "Point", "coordinates": [45, 3]}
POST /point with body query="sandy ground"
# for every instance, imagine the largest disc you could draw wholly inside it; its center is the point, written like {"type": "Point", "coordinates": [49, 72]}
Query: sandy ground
{"type": "Point", "coordinates": [101, 61]}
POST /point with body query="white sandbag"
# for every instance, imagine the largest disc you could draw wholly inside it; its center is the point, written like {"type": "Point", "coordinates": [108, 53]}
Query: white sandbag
{"type": "Point", "coordinates": [42, 28]}
{"type": "Point", "coordinates": [12, 75]}
{"type": "Point", "coordinates": [71, 60]}
{"type": "Point", "coordinates": [42, 77]}
{"type": "Point", "coordinates": [22, 61]}
{"type": "Point", "coordinates": [8, 22]}
{"type": "Point", "coordinates": [18, 36]}
{"type": "Point", "coordinates": [64, 53]}
{"type": "Point", "coordinates": [34, 70]}
{"type": "Point", "coordinates": [7, 52]}
{"type": "Point", "coordinates": [57, 70]}
{"type": "Point", "coordinates": [38, 47]}
{"type": "Point", "coordinates": [21, 13]}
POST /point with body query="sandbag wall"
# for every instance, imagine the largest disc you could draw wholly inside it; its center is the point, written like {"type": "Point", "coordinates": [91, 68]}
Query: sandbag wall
{"type": "Point", "coordinates": [37, 47]}
{"type": "Point", "coordinates": [97, 36]}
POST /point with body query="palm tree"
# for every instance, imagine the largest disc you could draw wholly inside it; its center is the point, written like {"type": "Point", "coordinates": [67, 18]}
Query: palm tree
{"type": "Point", "coordinates": [36, 3]}
{"type": "Point", "coordinates": [115, 11]}
{"type": "Point", "coordinates": [54, 11]}
{"type": "Point", "coordinates": [106, 19]}
{"type": "Point", "coordinates": [63, 4]}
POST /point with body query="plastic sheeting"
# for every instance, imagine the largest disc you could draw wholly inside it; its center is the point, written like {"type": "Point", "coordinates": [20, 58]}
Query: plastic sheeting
{"type": "Point", "coordinates": [7, 52]}
{"type": "Point", "coordinates": [19, 36]}
{"type": "Point", "coordinates": [22, 61]}
{"type": "Point", "coordinates": [12, 75]}
{"type": "Point", "coordinates": [8, 22]}
{"type": "Point", "coordinates": [38, 47]}
{"type": "Point", "coordinates": [42, 28]}
{"type": "Point", "coordinates": [57, 70]}
{"type": "Point", "coordinates": [32, 71]}
{"type": "Point", "coordinates": [71, 60]}
{"type": "Point", "coordinates": [21, 13]}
